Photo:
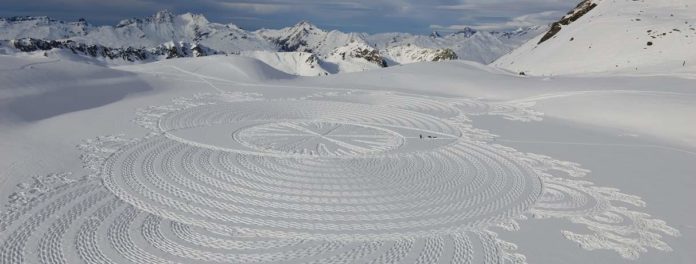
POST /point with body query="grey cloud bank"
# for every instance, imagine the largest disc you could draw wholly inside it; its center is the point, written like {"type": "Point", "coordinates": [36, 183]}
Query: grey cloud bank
{"type": "Point", "coordinates": [362, 16]}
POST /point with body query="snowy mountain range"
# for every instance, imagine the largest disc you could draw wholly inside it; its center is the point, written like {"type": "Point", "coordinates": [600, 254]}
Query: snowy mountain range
{"type": "Point", "coordinates": [310, 49]}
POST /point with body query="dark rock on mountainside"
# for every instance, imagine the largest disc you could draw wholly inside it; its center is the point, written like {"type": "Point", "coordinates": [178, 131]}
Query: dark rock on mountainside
{"type": "Point", "coordinates": [98, 51]}
{"type": "Point", "coordinates": [445, 54]}
{"type": "Point", "coordinates": [371, 55]}
{"type": "Point", "coordinates": [312, 59]}
{"type": "Point", "coordinates": [583, 8]}
{"type": "Point", "coordinates": [466, 32]}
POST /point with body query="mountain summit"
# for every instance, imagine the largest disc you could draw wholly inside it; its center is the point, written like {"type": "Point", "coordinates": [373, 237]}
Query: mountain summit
{"type": "Point", "coordinates": [466, 32]}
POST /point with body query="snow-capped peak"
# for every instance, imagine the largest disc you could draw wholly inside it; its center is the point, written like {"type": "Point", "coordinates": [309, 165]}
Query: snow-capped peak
{"type": "Point", "coordinates": [305, 25]}
{"type": "Point", "coordinates": [162, 16]}
{"type": "Point", "coordinates": [466, 32]}
{"type": "Point", "coordinates": [306, 37]}
{"type": "Point", "coordinates": [197, 19]}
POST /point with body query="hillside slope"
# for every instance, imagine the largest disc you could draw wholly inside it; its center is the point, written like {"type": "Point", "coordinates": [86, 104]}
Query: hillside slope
{"type": "Point", "coordinates": [619, 36]}
{"type": "Point", "coordinates": [295, 63]}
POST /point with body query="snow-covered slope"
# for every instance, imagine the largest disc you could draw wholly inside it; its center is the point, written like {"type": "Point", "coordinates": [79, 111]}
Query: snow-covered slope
{"type": "Point", "coordinates": [221, 68]}
{"type": "Point", "coordinates": [408, 53]}
{"type": "Point", "coordinates": [295, 63]}
{"type": "Point", "coordinates": [35, 88]}
{"type": "Point", "coordinates": [623, 36]}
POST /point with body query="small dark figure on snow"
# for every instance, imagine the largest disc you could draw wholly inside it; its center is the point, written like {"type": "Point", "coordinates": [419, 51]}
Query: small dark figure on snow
{"type": "Point", "coordinates": [421, 136]}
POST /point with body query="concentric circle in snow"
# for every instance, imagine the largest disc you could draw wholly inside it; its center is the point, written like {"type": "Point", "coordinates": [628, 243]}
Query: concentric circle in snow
{"type": "Point", "coordinates": [83, 223]}
{"type": "Point", "coordinates": [320, 170]}
{"type": "Point", "coordinates": [304, 128]}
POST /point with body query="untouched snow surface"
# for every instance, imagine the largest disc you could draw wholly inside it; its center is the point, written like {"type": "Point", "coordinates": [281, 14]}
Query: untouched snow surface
{"type": "Point", "coordinates": [295, 63]}
{"type": "Point", "coordinates": [620, 36]}
{"type": "Point", "coordinates": [224, 159]}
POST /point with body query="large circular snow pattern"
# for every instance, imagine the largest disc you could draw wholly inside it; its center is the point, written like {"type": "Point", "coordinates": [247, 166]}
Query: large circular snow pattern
{"type": "Point", "coordinates": [319, 169]}
{"type": "Point", "coordinates": [330, 178]}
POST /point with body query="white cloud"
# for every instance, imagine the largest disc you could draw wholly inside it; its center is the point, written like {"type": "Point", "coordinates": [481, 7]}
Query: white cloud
{"type": "Point", "coordinates": [528, 20]}
{"type": "Point", "coordinates": [460, 7]}
{"type": "Point", "coordinates": [368, 15]}
{"type": "Point", "coordinates": [259, 8]}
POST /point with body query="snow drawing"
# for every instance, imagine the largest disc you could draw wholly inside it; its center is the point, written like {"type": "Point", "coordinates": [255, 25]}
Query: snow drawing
{"type": "Point", "coordinates": [336, 177]}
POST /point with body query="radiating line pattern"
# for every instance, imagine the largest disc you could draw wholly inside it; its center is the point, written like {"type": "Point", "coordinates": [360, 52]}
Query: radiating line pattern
{"type": "Point", "coordinates": [319, 138]}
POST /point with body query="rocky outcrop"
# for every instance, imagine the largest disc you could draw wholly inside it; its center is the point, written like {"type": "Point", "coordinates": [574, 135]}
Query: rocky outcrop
{"type": "Point", "coordinates": [466, 32]}
{"type": "Point", "coordinates": [360, 51]}
{"type": "Point", "coordinates": [130, 54]}
{"type": "Point", "coordinates": [181, 50]}
{"type": "Point", "coordinates": [96, 51]}
{"type": "Point", "coordinates": [312, 60]}
{"type": "Point", "coordinates": [445, 54]}
{"type": "Point", "coordinates": [408, 53]}
{"type": "Point", "coordinates": [371, 55]}
{"type": "Point", "coordinates": [583, 8]}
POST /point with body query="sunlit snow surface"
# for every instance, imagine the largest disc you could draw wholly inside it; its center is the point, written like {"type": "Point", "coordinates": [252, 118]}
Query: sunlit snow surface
{"type": "Point", "coordinates": [312, 174]}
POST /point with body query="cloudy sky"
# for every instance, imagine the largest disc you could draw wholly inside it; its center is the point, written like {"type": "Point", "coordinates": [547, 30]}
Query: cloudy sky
{"type": "Point", "coordinates": [415, 16]}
